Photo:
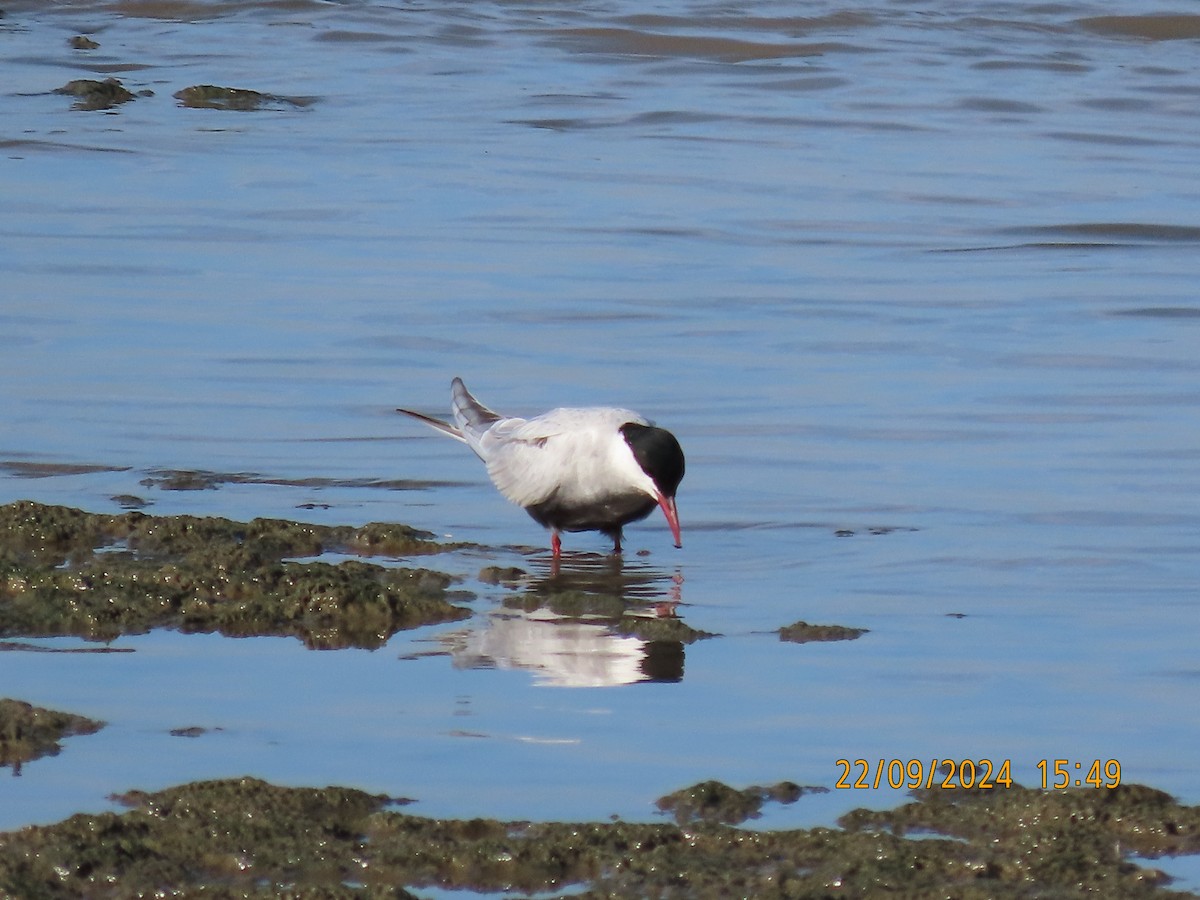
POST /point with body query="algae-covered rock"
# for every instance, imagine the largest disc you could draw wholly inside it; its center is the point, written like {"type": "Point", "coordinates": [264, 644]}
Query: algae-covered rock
{"type": "Point", "coordinates": [211, 96]}
{"type": "Point", "coordinates": [659, 628]}
{"type": "Point", "coordinates": [228, 836]}
{"type": "Point", "coordinates": [802, 633]}
{"type": "Point", "coordinates": [713, 801]}
{"type": "Point", "coordinates": [1080, 836]}
{"type": "Point", "coordinates": [509, 576]}
{"type": "Point", "coordinates": [247, 838]}
{"type": "Point", "coordinates": [91, 94]}
{"type": "Point", "coordinates": [30, 732]}
{"type": "Point", "coordinates": [64, 571]}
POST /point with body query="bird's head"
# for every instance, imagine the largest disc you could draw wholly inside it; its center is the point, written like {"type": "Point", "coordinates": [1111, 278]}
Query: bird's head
{"type": "Point", "coordinates": [660, 457]}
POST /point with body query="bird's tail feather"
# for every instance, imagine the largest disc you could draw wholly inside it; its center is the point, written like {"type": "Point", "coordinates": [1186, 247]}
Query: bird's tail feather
{"type": "Point", "coordinates": [444, 427]}
{"type": "Point", "coordinates": [471, 415]}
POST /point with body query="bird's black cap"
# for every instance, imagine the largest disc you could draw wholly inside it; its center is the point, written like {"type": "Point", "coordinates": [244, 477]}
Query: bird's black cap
{"type": "Point", "coordinates": [658, 453]}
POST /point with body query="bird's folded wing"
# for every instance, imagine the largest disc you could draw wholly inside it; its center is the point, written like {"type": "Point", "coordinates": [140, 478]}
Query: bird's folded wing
{"type": "Point", "coordinates": [521, 460]}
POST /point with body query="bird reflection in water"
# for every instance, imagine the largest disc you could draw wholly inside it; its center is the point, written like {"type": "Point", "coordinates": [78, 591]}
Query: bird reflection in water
{"type": "Point", "coordinates": [597, 621]}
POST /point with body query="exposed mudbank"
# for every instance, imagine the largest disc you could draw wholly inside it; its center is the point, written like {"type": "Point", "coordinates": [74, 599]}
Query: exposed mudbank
{"type": "Point", "coordinates": [30, 732]}
{"type": "Point", "coordinates": [250, 838]}
{"type": "Point", "coordinates": [67, 572]}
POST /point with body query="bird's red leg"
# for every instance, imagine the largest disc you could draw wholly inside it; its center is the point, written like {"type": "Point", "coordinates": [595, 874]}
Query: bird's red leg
{"type": "Point", "coordinates": [617, 543]}
{"type": "Point", "coordinates": [555, 545]}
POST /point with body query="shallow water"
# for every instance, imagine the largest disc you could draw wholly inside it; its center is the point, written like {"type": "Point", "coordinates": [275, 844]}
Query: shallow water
{"type": "Point", "coordinates": [915, 287]}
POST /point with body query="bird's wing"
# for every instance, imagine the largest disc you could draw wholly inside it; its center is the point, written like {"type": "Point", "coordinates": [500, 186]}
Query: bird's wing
{"type": "Point", "coordinates": [524, 459]}
{"type": "Point", "coordinates": [530, 460]}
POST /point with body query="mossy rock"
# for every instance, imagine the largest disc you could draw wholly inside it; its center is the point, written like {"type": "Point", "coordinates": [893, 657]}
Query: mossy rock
{"type": "Point", "coordinates": [29, 732]}
{"type": "Point", "coordinates": [211, 96]}
{"type": "Point", "coordinates": [68, 572]}
{"type": "Point", "coordinates": [803, 633]}
{"type": "Point", "coordinates": [92, 95]}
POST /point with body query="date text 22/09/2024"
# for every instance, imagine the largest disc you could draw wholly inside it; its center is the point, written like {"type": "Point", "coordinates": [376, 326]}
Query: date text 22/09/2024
{"type": "Point", "coordinates": [951, 774]}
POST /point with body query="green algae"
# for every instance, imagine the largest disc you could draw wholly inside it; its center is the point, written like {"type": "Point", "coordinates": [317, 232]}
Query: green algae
{"type": "Point", "coordinates": [30, 732]}
{"type": "Point", "coordinates": [244, 837]}
{"type": "Point", "coordinates": [68, 572]}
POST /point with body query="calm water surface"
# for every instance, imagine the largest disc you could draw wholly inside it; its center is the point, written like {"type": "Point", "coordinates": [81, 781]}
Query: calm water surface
{"type": "Point", "coordinates": [915, 286]}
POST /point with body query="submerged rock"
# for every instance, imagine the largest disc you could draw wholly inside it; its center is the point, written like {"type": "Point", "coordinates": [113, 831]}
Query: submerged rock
{"type": "Point", "coordinates": [509, 576]}
{"type": "Point", "coordinates": [64, 571]}
{"type": "Point", "coordinates": [30, 732]}
{"type": "Point", "coordinates": [92, 95]}
{"type": "Point", "coordinates": [245, 837]}
{"type": "Point", "coordinates": [660, 628]}
{"type": "Point", "coordinates": [207, 480]}
{"type": "Point", "coordinates": [130, 501]}
{"type": "Point", "coordinates": [802, 633]}
{"type": "Point", "coordinates": [211, 96]}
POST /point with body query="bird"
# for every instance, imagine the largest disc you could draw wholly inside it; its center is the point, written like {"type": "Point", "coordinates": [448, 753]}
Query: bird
{"type": "Point", "coordinates": [572, 469]}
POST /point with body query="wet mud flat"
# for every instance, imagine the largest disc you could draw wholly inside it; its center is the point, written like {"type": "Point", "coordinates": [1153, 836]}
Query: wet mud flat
{"type": "Point", "coordinates": [245, 837]}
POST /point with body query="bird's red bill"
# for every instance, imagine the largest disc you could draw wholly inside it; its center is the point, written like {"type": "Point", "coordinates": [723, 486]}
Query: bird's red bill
{"type": "Point", "coordinates": [672, 514]}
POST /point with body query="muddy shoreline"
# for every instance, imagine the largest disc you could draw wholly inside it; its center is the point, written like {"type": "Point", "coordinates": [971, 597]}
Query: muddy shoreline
{"type": "Point", "coordinates": [245, 837]}
{"type": "Point", "coordinates": [68, 572]}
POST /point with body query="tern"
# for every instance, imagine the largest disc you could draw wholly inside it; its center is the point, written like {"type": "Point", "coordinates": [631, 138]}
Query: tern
{"type": "Point", "coordinates": [587, 469]}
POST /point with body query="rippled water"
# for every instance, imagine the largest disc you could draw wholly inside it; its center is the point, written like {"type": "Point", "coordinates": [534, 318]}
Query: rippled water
{"type": "Point", "coordinates": [915, 286]}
